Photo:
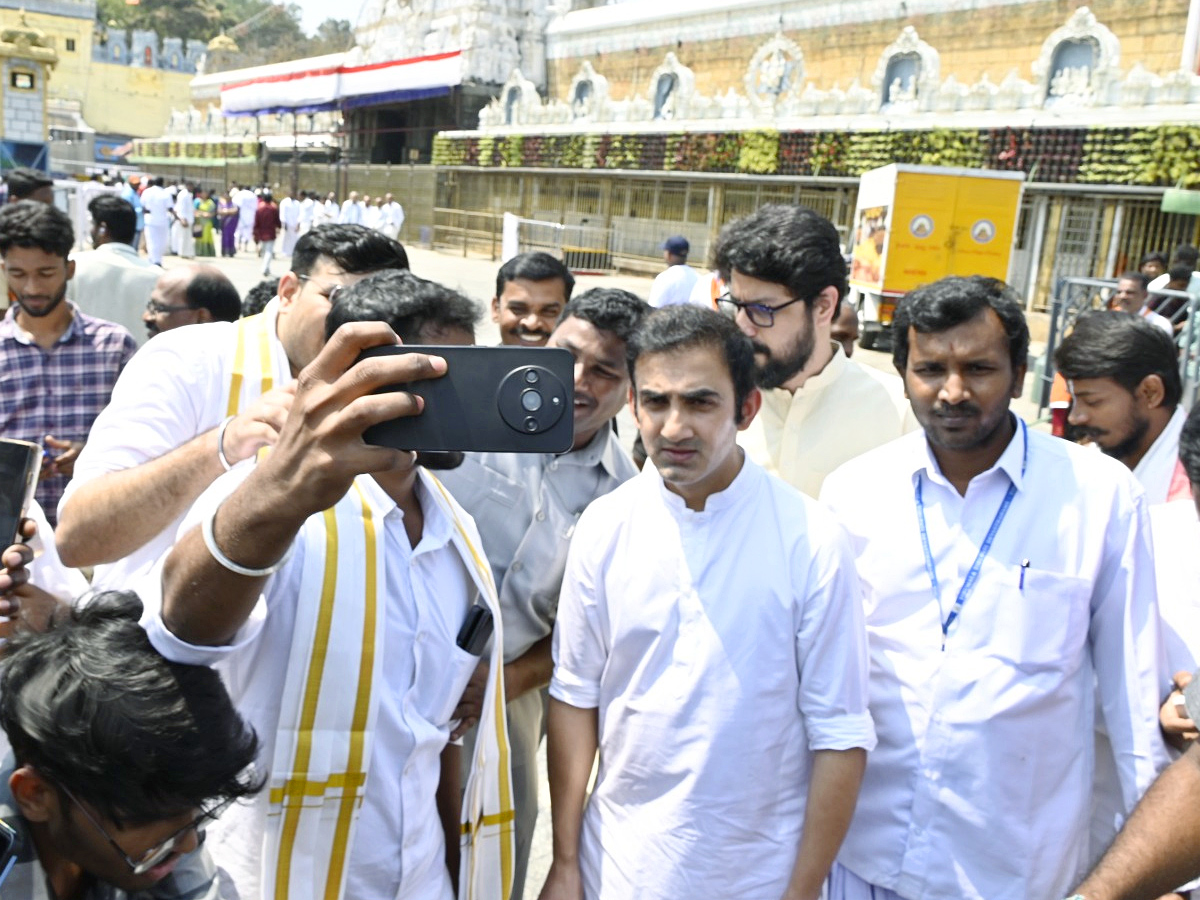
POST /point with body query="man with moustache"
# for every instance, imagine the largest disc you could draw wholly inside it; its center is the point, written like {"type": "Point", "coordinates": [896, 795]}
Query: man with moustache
{"type": "Point", "coordinates": [820, 409]}
{"type": "Point", "coordinates": [531, 291]}
{"type": "Point", "coordinates": [526, 506]}
{"type": "Point", "coordinates": [1009, 587]}
{"type": "Point", "coordinates": [57, 364]}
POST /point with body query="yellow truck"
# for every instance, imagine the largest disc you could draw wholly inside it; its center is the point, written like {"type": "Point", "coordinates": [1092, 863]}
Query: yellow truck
{"type": "Point", "coordinates": [916, 224]}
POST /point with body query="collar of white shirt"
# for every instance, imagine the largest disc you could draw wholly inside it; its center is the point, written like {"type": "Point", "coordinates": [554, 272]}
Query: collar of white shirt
{"type": "Point", "coordinates": [742, 483]}
{"type": "Point", "coordinates": [1011, 461]}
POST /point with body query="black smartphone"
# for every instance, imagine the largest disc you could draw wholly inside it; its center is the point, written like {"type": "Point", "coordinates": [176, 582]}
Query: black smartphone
{"type": "Point", "coordinates": [8, 849]}
{"type": "Point", "coordinates": [491, 399]}
{"type": "Point", "coordinates": [476, 629]}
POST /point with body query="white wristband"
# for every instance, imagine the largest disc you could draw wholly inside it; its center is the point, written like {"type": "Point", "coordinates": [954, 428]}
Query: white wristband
{"type": "Point", "coordinates": [210, 541]}
{"type": "Point", "coordinates": [221, 442]}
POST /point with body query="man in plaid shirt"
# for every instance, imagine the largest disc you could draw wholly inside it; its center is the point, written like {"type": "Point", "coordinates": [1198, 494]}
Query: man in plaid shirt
{"type": "Point", "coordinates": [57, 365]}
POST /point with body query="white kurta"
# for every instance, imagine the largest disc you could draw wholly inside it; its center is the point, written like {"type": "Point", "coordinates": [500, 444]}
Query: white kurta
{"type": "Point", "coordinates": [398, 850]}
{"type": "Point", "coordinates": [721, 649]}
{"type": "Point", "coordinates": [841, 412]}
{"type": "Point", "coordinates": [1156, 469]}
{"type": "Point", "coordinates": [980, 785]}
{"type": "Point", "coordinates": [172, 390]}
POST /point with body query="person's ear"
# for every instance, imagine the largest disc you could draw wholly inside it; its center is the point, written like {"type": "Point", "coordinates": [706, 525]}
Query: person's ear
{"type": "Point", "coordinates": [70, 269]}
{"type": "Point", "coordinates": [35, 797]}
{"type": "Point", "coordinates": [289, 287]}
{"type": "Point", "coordinates": [495, 309]}
{"type": "Point", "coordinates": [750, 407]}
{"type": "Point", "coordinates": [203, 316]}
{"type": "Point", "coordinates": [1151, 391]}
{"type": "Point", "coordinates": [825, 305]}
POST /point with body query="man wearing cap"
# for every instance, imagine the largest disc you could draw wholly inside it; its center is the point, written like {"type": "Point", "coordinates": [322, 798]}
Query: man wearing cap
{"type": "Point", "coordinates": [674, 286]}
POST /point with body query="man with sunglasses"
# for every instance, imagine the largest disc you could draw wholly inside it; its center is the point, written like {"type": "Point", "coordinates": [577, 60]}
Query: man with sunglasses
{"type": "Point", "coordinates": [119, 759]}
{"type": "Point", "coordinates": [820, 409]}
{"type": "Point", "coordinates": [199, 399]}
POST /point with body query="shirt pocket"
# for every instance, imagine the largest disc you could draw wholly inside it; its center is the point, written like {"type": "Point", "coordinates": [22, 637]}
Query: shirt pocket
{"type": "Point", "coordinates": [442, 675]}
{"type": "Point", "coordinates": [1042, 619]}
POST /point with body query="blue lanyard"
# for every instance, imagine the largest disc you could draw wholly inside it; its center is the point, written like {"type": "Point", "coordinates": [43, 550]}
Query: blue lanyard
{"type": "Point", "coordinates": [968, 585]}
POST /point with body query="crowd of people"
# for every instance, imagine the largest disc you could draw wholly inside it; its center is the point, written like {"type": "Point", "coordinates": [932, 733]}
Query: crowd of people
{"type": "Point", "coordinates": [836, 633]}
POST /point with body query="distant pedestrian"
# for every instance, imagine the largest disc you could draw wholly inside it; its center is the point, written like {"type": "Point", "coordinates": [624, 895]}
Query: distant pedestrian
{"type": "Point", "coordinates": [674, 286]}
{"type": "Point", "coordinates": [206, 215]}
{"type": "Point", "coordinates": [227, 214]}
{"type": "Point", "coordinates": [266, 229]}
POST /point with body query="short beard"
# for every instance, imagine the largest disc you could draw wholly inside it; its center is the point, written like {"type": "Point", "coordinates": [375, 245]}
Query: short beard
{"type": "Point", "coordinates": [49, 309]}
{"type": "Point", "coordinates": [1126, 448]}
{"type": "Point", "coordinates": [778, 370]}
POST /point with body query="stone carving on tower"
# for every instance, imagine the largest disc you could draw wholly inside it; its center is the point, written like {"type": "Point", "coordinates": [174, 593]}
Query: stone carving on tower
{"type": "Point", "coordinates": [775, 75]}
{"type": "Point", "coordinates": [1079, 63]}
{"type": "Point", "coordinates": [671, 87]}
{"type": "Point", "coordinates": [907, 74]}
{"type": "Point", "coordinates": [588, 95]}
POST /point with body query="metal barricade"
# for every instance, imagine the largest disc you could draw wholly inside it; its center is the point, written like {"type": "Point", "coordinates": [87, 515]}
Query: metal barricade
{"type": "Point", "coordinates": [1074, 296]}
{"type": "Point", "coordinates": [584, 249]}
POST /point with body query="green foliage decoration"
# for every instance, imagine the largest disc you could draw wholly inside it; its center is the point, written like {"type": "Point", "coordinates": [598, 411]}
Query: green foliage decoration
{"type": "Point", "coordinates": [759, 152]}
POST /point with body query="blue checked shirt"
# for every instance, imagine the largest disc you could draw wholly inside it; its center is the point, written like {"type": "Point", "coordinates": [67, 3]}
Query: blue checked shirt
{"type": "Point", "coordinates": [58, 391]}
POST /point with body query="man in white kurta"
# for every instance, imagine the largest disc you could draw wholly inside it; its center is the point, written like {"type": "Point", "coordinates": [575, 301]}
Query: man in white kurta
{"type": "Point", "coordinates": [185, 216]}
{"type": "Point", "coordinates": [247, 204]}
{"type": "Point", "coordinates": [710, 620]}
{"type": "Point", "coordinates": [393, 217]}
{"type": "Point", "coordinates": [1000, 596]}
{"type": "Point", "coordinates": [289, 225]}
{"type": "Point", "coordinates": [398, 849]}
{"type": "Point", "coordinates": [820, 408]}
{"type": "Point", "coordinates": [352, 211]}
{"type": "Point", "coordinates": [158, 207]}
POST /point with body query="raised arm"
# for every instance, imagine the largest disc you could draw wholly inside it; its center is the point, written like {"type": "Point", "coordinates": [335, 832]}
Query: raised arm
{"type": "Point", "coordinates": [318, 454]}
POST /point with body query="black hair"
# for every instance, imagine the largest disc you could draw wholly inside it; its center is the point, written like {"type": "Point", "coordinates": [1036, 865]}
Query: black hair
{"type": "Point", "coordinates": [355, 248]}
{"type": "Point", "coordinates": [1154, 256]}
{"type": "Point", "coordinates": [1139, 277]}
{"type": "Point", "coordinates": [28, 223]}
{"type": "Point", "coordinates": [259, 296]}
{"type": "Point", "coordinates": [412, 306]}
{"type": "Point", "coordinates": [951, 301]}
{"type": "Point", "coordinates": [685, 327]}
{"type": "Point", "coordinates": [1189, 448]}
{"type": "Point", "coordinates": [95, 709]}
{"type": "Point", "coordinates": [1186, 253]}
{"type": "Point", "coordinates": [116, 214]}
{"type": "Point", "coordinates": [608, 309]}
{"type": "Point", "coordinates": [1181, 272]}
{"type": "Point", "coordinates": [535, 266]}
{"type": "Point", "coordinates": [211, 289]}
{"type": "Point", "coordinates": [1123, 347]}
{"type": "Point", "coordinates": [23, 182]}
{"type": "Point", "coordinates": [785, 244]}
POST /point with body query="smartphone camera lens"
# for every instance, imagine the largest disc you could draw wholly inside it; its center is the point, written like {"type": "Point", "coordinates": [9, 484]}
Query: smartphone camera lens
{"type": "Point", "coordinates": [531, 401]}
{"type": "Point", "coordinates": [531, 377]}
{"type": "Point", "coordinates": [531, 424]}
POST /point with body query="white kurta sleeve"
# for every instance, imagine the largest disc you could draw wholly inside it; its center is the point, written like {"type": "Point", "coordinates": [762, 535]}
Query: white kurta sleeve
{"type": "Point", "coordinates": [580, 643]}
{"type": "Point", "coordinates": [831, 644]}
{"type": "Point", "coordinates": [1127, 647]}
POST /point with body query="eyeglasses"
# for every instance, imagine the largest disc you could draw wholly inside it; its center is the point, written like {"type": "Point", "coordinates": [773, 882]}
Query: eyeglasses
{"type": "Point", "coordinates": [759, 314]}
{"type": "Point", "coordinates": [160, 309]}
{"type": "Point", "coordinates": [329, 291]}
{"type": "Point", "coordinates": [160, 851]}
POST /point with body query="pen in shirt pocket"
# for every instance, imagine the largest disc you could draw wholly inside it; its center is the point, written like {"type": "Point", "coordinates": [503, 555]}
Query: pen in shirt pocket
{"type": "Point", "coordinates": [1024, 569]}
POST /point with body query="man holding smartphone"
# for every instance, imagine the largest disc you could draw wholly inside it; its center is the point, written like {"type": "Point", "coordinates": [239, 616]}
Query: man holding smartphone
{"type": "Point", "coordinates": [345, 574]}
{"type": "Point", "coordinates": [197, 400]}
{"type": "Point", "coordinates": [526, 506]}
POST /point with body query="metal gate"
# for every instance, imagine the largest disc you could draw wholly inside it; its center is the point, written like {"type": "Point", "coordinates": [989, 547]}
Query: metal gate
{"type": "Point", "coordinates": [1078, 240]}
{"type": "Point", "coordinates": [584, 249]}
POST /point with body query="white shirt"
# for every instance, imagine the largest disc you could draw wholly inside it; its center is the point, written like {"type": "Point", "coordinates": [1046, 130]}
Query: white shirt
{"type": "Point", "coordinates": [247, 204]}
{"type": "Point", "coordinates": [1158, 321]}
{"type": "Point", "coordinates": [526, 506]}
{"type": "Point", "coordinates": [112, 282]}
{"type": "Point", "coordinates": [841, 412]}
{"type": "Point", "coordinates": [673, 286]}
{"type": "Point", "coordinates": [352, 213]}
{"type": "Point", "coordinates": [47, 570]}
{"type": "Point", "coordinates": [398, 851]}
{"type": "Point", "coordinates": [325, 213]}
{"type": "Point", "coordinates": [373, 217]}
{"type": "Point", "coordinates": [394, 215]}
{"type": "Point", "coordinates": [980, 785]}
{"type": "Point", "coordinates": [1156, 469]}
{"type": "Point", "coordinates": [1177, 575]}
{"type": "Point", "coordinates": [184, 207]}
{"type": "Point", "coordinates": [307, 209]}
{"type": "Point", "coordinates": [721, 649]}
{"type": "Point", "coordinates": [157, 204]}
{"type": "Point", "coordinates": [170, 392]}
{"type": "Point", "coordinates": [1160, 283]}
{"type": "Point", "coordinates": [289, 213]}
